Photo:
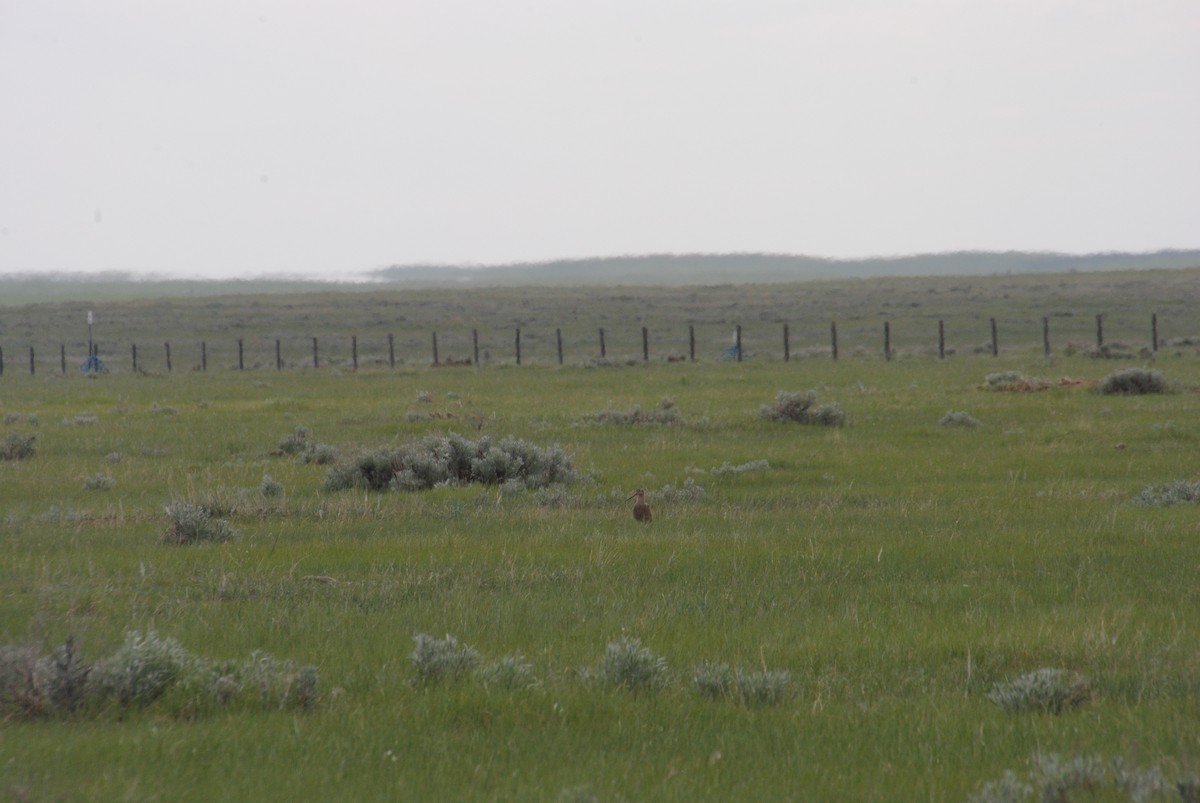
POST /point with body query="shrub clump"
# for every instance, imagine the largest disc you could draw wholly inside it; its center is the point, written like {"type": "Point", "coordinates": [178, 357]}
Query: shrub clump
{"type": "Point", "coordinates": [690, 491]}
{"type": "Point", "coordinates": [436, 659]}
{"type": "Point", "coordinates": [1054, 777]}
{"type": "Point", "coordinates": [452, 460]}
{"type": "Point", "coordinates": [718, 681]}
{"type": "Point", "coordinates": [270, 488]}
{"type": "Point", "coordinates": [628, 665]}
{"type": "Point", "coordinates": [1132, 382]}
{"type": "Point", "coordinates": [665, 413]}
{"type": "Point", "coordinates": [1047, 690]}
{"type": "Point", "coordinates": [1179, 492]}
{"type": "Point", "coordinates": [98, 482]}
{"type": "Point", "coordinates": [305, 450]}
{"type": "Point", "coordinates": [193, 524]}
{"type": "Point", "coordinates": [726, 469]}
{"type": "Point", "coordinates": [144, 670]}
{"type": "Point", "coordinates": [960, 418]}
{"type": "Point", "coordinates": [802, 408]}
{"type": "Point", "coordinates": [511, 673]}
{"type": "Point", "coordinates": [16, 446]}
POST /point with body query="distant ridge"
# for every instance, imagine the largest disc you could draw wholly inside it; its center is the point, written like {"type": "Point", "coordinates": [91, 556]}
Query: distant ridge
{"type": "Point", "coordinates": [677, 269]}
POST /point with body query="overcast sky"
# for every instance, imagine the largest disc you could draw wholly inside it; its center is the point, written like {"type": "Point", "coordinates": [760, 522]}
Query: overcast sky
{"type": "Point", "coordinates": [253, 137]}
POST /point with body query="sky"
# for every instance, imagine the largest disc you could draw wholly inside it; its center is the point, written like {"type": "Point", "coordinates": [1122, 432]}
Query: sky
{"type": "Point", "coordinates": [239, 138]}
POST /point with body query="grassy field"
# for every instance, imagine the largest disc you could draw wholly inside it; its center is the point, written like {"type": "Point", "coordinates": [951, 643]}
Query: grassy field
{"type": "Point", "coordinates": [896, 568]}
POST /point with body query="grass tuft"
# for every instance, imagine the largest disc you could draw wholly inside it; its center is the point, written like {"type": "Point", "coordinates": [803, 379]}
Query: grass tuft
{"type": "Point", "coordinates": [799, 408]}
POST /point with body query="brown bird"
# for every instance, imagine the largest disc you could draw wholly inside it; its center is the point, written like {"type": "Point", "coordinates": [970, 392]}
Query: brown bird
{"type": "Point", "coordinates": [641, 510]}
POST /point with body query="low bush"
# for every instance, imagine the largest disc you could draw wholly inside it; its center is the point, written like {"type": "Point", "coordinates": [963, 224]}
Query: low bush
{"type": "Point", "coordinates": [768, 687]}
{"type": "Point", "coordinates": [801, 408]}
{"type": "Point", "coordinates": [727, 469]}
{"type": "Point", "coordinates": [98, 482]}
{"type": "Point", "coordinates": [960, 418]}
{"type": "Point", "coordinates": [1046, 690]}
{"type": "Point", "coordinates": [436, 659]}
{"type": "Point", "coordinates": [1133, 382]}
{"type": "Point", "coordinates": [1053, 777]}
{"type": "Point", "coordinates": [16, 446]}
{"type": "Point", "coordinates": [452, 460]}
{"type": "Point", "coordinates": [269, 488]}
{"type": "Point", "coordinates": [665, 413]}
{"type": "Point", "coordinates": [193, 524]}
{"type": "Point", "coordinates": [628, 665]}
{"type": "Point", "coordinates": [510, 673]}
{"type": "Point", "coordinates": [1179, 492]}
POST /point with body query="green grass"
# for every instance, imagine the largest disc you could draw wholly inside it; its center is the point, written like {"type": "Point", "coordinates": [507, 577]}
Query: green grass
{"type": "Point", "coordinates": [898, 569]}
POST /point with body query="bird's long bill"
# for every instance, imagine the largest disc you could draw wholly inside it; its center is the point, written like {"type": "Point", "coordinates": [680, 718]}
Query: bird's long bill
{"type": "Point", "coordinates": [632, 496]}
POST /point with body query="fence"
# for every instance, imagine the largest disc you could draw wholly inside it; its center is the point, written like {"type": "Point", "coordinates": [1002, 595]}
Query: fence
{"type": "Point", "coordinates": [735, 351]}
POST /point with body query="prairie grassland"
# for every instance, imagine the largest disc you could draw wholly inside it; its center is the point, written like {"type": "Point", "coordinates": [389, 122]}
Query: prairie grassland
{"type": "Point", "coordinates": [896, 568]}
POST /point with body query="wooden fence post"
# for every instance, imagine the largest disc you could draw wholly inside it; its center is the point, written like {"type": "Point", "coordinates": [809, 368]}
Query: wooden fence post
{"type": "Point", "coordinates": [354, 351]}
{"type": "Point", "coordinates": [833, 338]}
{"type": "Point", "coordinates": [435, 354]}
{"type": "Point", "coordinates": [167, 350]}
{"type": "Point", "coordinates": [133, 349]}
{"type": "Point", "coordinates": [887, 340]}
{"type": "Point", "coordinates": [391, 351]}
{"type": "Point", "coordinates": [1, 362]}
{"type": "Point", "coordinates": [691, 343]}
{"type": "Point", "coordinates": [737, 340]}
{"type": "Point", "coordinates": [316, 362]}
{"type": "Point", "coordinates": [1099, 331]}
{"type": "Point", "coordinates": [278, 355]}
{"type": "Point", "coordinates": [603, 352]}
{"type": "Point", "coordinates": [787, 350]}
{"type": "Point", "coordinates": [558, 335]}
{"type": "Point", "coordinates": [475, 344]}
{"type": "Point", "coordinates": [241, 356]}
{"type": "Point", "coordinates": [62, 354]}
{"type": "Point", "coordinates": [941, 340]}
{"type": "Point", "coordinates": [1046, 336]}
{"type": "Point", "coordinates": [1154, 331]}
{"type": "Point", "coordinates": [995, 340]}
{"type": "Point", "coordinates": [645, 345]}
{"type": "Point", "coordinates": [31, 360]}
{"type": "Point", "coordinates": [518, 342]}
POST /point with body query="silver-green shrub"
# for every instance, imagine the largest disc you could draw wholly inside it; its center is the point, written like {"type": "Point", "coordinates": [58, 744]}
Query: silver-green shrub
{"type": "Point", "coordinates": [63, 678]}
{"type": "Point", "coordinates": [452, 459]}
{"type": "Point", "coordinates": [766, 687]}
{"type": "Point", "coordinates": [1132, 382]}
{"type": "Point", "coordinates": [296, 442]}
{"type": "Point", "coordinates": [960, 418]}
{"type": "Point", "coordinates": [511, 673]}
{"type": "Point", "coordinates": [665, 413]}
{"type": "Point", "coordinates": [193, 524]}
{"type": "Point", "coordinates": [16, 446]}
{"type": "Point", "coordinates": [98, 482]}
{"type": "Point", "coordinates": [726, 469]}
{"type": "Point", "coordinates": [1179, 492]}
{"type": "Point", "coordinates": [1053, 777]}
{"type": "Point", "coordinates": [436, 659]}
{"type": "Point", "coordinates": [1048, 690]}
{"type": "Point", "coordinates": [630, 666]}
{"type": "Point", "coordinates": [714, 681]}
{"type": "Point", "coordinates": [20, 691]}
{"type": "Point", "coordinates": [801, 408]}
{"type": "Point", "coordinates": [690, 491]}
{"type": "Point", "coordinates": [269, 488]}
{"type": "Point", "coordinates": [142, 669]}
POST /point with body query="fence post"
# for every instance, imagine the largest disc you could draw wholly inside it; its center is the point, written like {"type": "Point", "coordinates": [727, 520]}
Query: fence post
{"type": "Point", "coordinates": [1, 362]}
{"type": "Point", "coordinates": [558, 335]}
{"type": "Point", "coordinates": [31, 360]}
{"type": "Point", "coordinates": [1154, 331]}
{"type": "Point", "coordinates": [167, 349]}
{"type": "Point", "coordinates": [603, 352]}
{"type": "Point", "coordinates": [887, 340]}
{"type": "Point", "coordinates": [645, 345]}
{"type": "Point", "coordinates": [316, 362]}
{"type": "Point", "coordinates": [691, 343]}
{"type": "Point", "coordinates": [941, 340]}
{"type": "Point", "coordinates": [435, 354]}
{"type": "Point", "coordinates": [737, 339]}
{"type": "Point", "coordinates": [391, 351]}
{"type": "Point", "coordinates": [787, 349]}
{"type": "Point", "coordinates": [833, 338]}
{"type": "Point", "coordinates": [995, 340]}
{"type": "Point", "coordinates": [133, 349]}
{"type": "Point", "coordinates": [241, 356]}
{"type": "Point", "coordinates": [1099, 331]}
{"type": "Point", "coordinates": [62, 354]}
{"type": "Point", "coordinates": [278, 355]}
{"type": "Point", "coordinates": [518, 343]}
{"type": "Point", "coordinates": [475, 345]}
{"type": "Point", "coordinates": [1046, 336]}
{"type": "Point", "coordinates": [354, 351]}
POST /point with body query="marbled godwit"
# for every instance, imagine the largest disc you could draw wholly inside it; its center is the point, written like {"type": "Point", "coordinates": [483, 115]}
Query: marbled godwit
{"type": "Point", "coordinates": [641, 510]}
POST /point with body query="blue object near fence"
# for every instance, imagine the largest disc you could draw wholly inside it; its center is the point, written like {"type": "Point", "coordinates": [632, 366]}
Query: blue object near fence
{"type": "Point", "coordinates": [93, 365]}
